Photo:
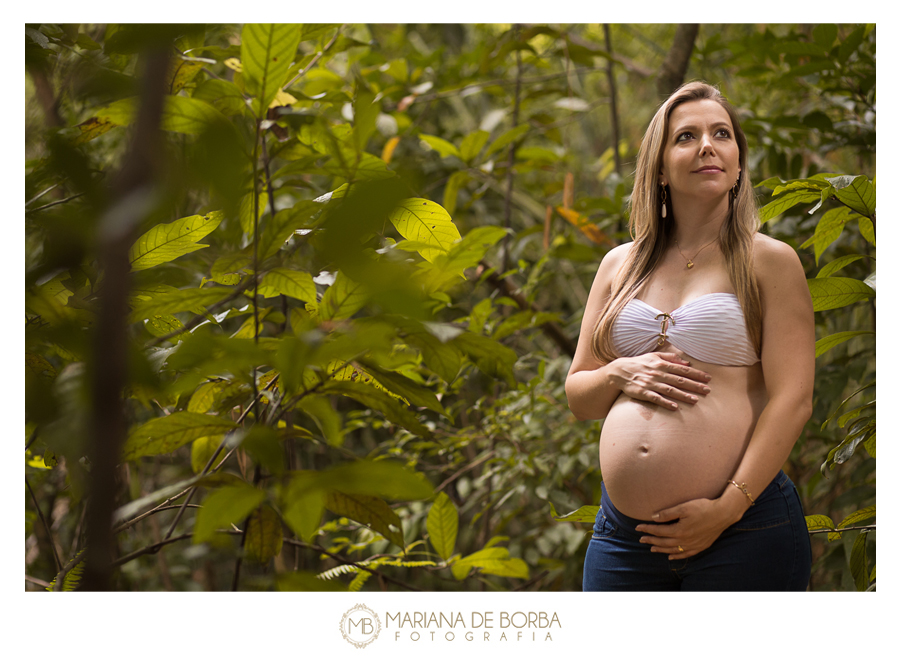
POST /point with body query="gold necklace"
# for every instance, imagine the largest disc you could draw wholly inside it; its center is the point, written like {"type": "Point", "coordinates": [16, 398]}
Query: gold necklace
{"type": "Point", "coordinates": [690, 261]}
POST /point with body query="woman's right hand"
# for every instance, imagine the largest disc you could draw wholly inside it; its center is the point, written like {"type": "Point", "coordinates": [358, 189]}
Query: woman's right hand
{"type": "Point", "coordinates": [662, 378]}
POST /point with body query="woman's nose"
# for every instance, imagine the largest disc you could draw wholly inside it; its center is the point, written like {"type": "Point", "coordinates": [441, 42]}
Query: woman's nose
{"type": "Point", "coordinates": [706, 145]}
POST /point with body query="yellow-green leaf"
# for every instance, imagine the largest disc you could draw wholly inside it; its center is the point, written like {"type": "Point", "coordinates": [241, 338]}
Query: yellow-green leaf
{"type": "Point", "coordinates": [166, 242]}
{"type": "Point", "coordinates": [175, 301]}
{"type": "Point", "coordinates": [163, 435]}
{"type": "Point", "coordinates": [494, 560]}
{"type": "Point", "coordinates": [369, 510]}
{"type": "Point", "coordinates": [835, 292]}
{"type": "Point", "coordinates": [427, 222]}
{"type": "Point", "coordinates": [442, 525]}
{"type": "Point", "coordinates": [293, 283]}
{"type": "Point", "coordinates": [832, 340]}
{"type": "Point", "coordinates": [225, 506]}
{"type": "Point", "coordinates": [264, 537]}
{"type": "Point", "coordinates": [266, 54]}
{"type": "Point", "coordinates": [342, 299]}
{"type": "Point", "coordinates": [857, 516]}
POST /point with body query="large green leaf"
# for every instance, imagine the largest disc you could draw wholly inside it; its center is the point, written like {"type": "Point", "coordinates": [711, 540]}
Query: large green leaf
{"type": "Point", "coordinates": [442, 525]}
{"type": "Point", "coordinates": [829, 229]}
{"type": "Point", "coordinates": [163, 435]}
{"type": "Point", "coordinates": [584, 514]}
{"type": "Point", "coordinates": [368, 510]}
{"type": "Point", "coordinates": [379, 401]}
{"type": "Point", "coordinates": [383, 478]}
{"type": "Point", "coordinates": [175, 301]}
{"type": "Point", "coordinates": [856, 192]}
{"type": "Point", "coordinates": [859, 562]}
{"type": "Point", "coordinates": [835, 292]}
{"type": "Point", "coordinates": [442, 146]}
{"type": "Point", "coordinates": [266, 54]}
{"type": "Point", "coordinates": [491, 357]}
{"type": "Point", "coordinates": [225, 506]}
{"type": "Point", "coordinates": [427, 222]}
{"type": "Point", "coordinates": [166, 242]}
{"type": "Point", "coordinates": [293, 283]}
{"type": "Point", "coordinates": [787, 201]}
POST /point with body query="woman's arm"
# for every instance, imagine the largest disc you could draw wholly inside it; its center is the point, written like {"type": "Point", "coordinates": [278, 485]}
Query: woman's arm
{"type": "Point", "coordinates": [592, 386]}
{"type": "Point", "coordinates": [788, 364]}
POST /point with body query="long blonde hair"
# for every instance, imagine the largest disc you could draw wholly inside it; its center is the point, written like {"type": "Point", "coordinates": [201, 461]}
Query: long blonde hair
{"type": "Point", "coordinates": [653, 235]}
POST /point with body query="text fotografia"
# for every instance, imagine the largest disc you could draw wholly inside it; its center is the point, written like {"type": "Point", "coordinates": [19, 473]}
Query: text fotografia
{"type": "Point", "coordinates": [479, 626]}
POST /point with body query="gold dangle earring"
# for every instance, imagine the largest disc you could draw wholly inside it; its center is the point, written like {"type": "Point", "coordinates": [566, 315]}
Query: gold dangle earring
{"type": "Point", "coordinates": [664, 197]}
{"type": "Point", "coordinates": [734, 188]}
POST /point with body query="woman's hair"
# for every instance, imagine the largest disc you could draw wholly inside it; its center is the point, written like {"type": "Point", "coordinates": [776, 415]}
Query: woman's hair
{"type": "Point", "coordinates": [652, 234]}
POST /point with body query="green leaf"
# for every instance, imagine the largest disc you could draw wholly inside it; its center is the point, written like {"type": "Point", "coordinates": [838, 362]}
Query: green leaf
{"type": "Point", "coordinates": [192, 299]}
{"type": "Point", "coordinates": [378, 401]}
{"type": "Point", "coordinates": [491, 357]}
{"type": "Point", "coordinates": [180, 114]}
{"type": "Point", "coordinates": [857, 516]}
{"type": "Point", "coordinates": [293, 283]}
{"type": "Point", "coordinates": [342, 299]}
{"type": "Point", "coordinates": [507, 138]}
{"type": "Point", "coordinates": [166, 242]}
{"type": "Point", "coordinates": [442, 146]}
{"type": "Point", "coordinates": [859, 562]}
{"type": "Point", "coordinates": [163, 325]}
{"type": "Point", "coordinates": [855, 192]}
{"type": "Point", "coordinates": [851, 43]}
{"type": "Point", "coordinates": [495, 561]}
{"type": "Point", "coordinates": [370, 511]}
{"type": "Point", "coordinates": [168, 433]}
{"type": "Point", "coordinates": [584, 514]}
{"type": "Point", "coordinates": [382, 478]}
{"type": "Point", "coordinates": [830, 227]}
{"type": "Point", "coordinates": [442, 525]}
{"type": "Point", "coordinates": [836, 292]}
{"type": "Point", "coordinates": [246, 210]}
{"type": "Point", "coordinates": [424, 221]}
{"type": "Point", "coordinates": [819, 522]}
{"type": "Point", "coordinates": [279, 229]}
{"type": "Point", "coordinates": [837, 264]}
{"type": "Point", "coordinates": [73, 576]}
{"type": "Point", "coordinates": [264, 537]}
{"type": "Point", "coordinates": [226, 506]}
{"type": "Point", "coordinates": [472, 144]}
{"type": "Point", "coordinates": [451, 190]}
{"type": "Point", "coordinates": [833, 340]}
{"type": "Point", "coordinates": [785, 202]}
{"type": "Point", "coordinates": [394, 382]}
{"type": "Point", "coordinates": [201, 451]}
{"type": "Point", "coordinates": [303, 512]}
{"type": "Point", "coordinates": [227, 269]}
{"type": "Point", "coordinates": [266, 55]}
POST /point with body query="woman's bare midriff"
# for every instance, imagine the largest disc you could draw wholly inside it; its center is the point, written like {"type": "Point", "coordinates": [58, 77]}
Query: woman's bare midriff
{"type": "Point", "coordinates": [653, 458]}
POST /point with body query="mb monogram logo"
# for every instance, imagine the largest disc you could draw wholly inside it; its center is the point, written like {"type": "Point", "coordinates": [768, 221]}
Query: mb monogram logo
{"type": "Point", "coordinates": [360, 626]}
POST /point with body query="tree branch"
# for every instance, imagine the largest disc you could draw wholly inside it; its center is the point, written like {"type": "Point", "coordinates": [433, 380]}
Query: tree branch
{"type": "Point", "coordinates": [675, 66]}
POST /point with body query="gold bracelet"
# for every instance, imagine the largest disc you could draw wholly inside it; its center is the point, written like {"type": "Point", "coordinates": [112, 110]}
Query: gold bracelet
{"type": "Point", "coordinates": [743, 487]}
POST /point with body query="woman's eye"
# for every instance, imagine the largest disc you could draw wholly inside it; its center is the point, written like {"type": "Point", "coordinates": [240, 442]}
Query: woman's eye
{"type": "Point", "coordinates": [683, 136]}
{"type": "Point", "coordinates": [724, 132]}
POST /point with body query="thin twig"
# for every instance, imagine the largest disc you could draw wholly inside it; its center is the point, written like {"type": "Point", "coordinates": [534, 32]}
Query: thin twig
{"type": "Point", "coordinates": [315, 59]}
{"type": "Point", "coordinates": [143, 516]}
{"type": "Point", "coordinates": [46, 525]}
{"type": "Point", "coordinates": [463, 470]}
{"type": "Point", "coordinates": [855, 527]}
{"type": "Point", "coordinates": [55, 203]}
{"type": "Point", "coordinates": [36, 581]}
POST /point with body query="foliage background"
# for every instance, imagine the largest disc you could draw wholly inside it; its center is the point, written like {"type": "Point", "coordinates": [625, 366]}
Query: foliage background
{"type": "Point", "coordinates": [411, 430]}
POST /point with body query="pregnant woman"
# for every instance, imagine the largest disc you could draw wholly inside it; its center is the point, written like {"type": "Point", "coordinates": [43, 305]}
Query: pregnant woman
{"type": "Point", "coordinates": [697, 347]}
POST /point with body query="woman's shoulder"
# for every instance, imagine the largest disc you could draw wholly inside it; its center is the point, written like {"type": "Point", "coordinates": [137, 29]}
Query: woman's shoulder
{"type": "Point", "coordinates": [615, 257]}
{"type": "Point", "coordinates": [773, 260]}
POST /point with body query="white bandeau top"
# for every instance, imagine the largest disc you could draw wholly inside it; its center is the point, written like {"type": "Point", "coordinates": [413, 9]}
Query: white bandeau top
{"type": "Point", "coordinates": [710, 328]}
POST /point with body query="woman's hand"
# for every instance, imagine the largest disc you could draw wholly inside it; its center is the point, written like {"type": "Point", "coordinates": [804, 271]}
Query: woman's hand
{"type": "Point", "coordinates": [663, 378]}
{"type": "Point", "coordinates": [699, 524]}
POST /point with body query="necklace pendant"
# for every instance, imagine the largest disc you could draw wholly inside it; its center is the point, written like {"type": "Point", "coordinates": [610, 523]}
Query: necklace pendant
{"type": "Point", "coordinates": [690, 264]}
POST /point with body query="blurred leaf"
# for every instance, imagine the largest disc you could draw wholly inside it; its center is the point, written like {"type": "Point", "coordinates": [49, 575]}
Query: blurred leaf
{"type": "Point", "coordinates": [225, 506]}
{"type": "Point", "coordinates": [370, 511]}
{"type": "Point", "coordinates": [495, 561]}
{"type": "Point", "coordinates": [442, 146]}
{"type": "Point", "coordinates": [194, 299]}
{"type": "Point", "coordinates": [282, 281]}
{"type": "Point", "coordinates": [264, 538]}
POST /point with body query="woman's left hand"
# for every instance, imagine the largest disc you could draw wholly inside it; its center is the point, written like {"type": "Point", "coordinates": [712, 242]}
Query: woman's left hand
{"type": "Point", "coordinates": [699, 523]}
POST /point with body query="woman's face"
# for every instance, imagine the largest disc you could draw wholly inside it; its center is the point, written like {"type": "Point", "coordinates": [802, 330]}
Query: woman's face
{"type": "Point", "coordinates": [701, 157]}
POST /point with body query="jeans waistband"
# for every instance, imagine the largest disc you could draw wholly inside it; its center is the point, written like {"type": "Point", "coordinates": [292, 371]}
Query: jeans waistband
{"type": "Point", "coordinates": [628, 524]}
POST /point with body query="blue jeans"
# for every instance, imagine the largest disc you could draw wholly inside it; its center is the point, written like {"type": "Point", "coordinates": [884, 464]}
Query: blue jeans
{"type": "Point", "coordinates": [767, 550]}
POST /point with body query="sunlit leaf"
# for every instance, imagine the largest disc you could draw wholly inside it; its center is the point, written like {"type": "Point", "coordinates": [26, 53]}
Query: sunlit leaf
{"type": "Point", "coordinates": [427, 222]}
{"type": "Point", "coordinates": [225, 506]}
{"type": "Point", "coordinates": [835, 292]}
{"type": "Point", "coordinates": [166, 242]}
{"type": "Point", "coordinates": [266, 54]}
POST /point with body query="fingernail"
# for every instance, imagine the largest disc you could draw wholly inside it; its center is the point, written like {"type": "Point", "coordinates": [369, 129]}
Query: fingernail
{"type": "Point", "coordinates": [655, 516]}
{"type": "Point", "coordinates": [693, 399]}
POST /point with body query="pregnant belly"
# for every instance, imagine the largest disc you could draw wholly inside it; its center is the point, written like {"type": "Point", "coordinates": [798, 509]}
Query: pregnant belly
{"type": "Point", "coordinates": [652, 458]}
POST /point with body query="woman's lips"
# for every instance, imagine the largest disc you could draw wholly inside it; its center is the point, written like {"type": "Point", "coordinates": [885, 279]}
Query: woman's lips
{"type": "Point", "coordinates": [708, 170]}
